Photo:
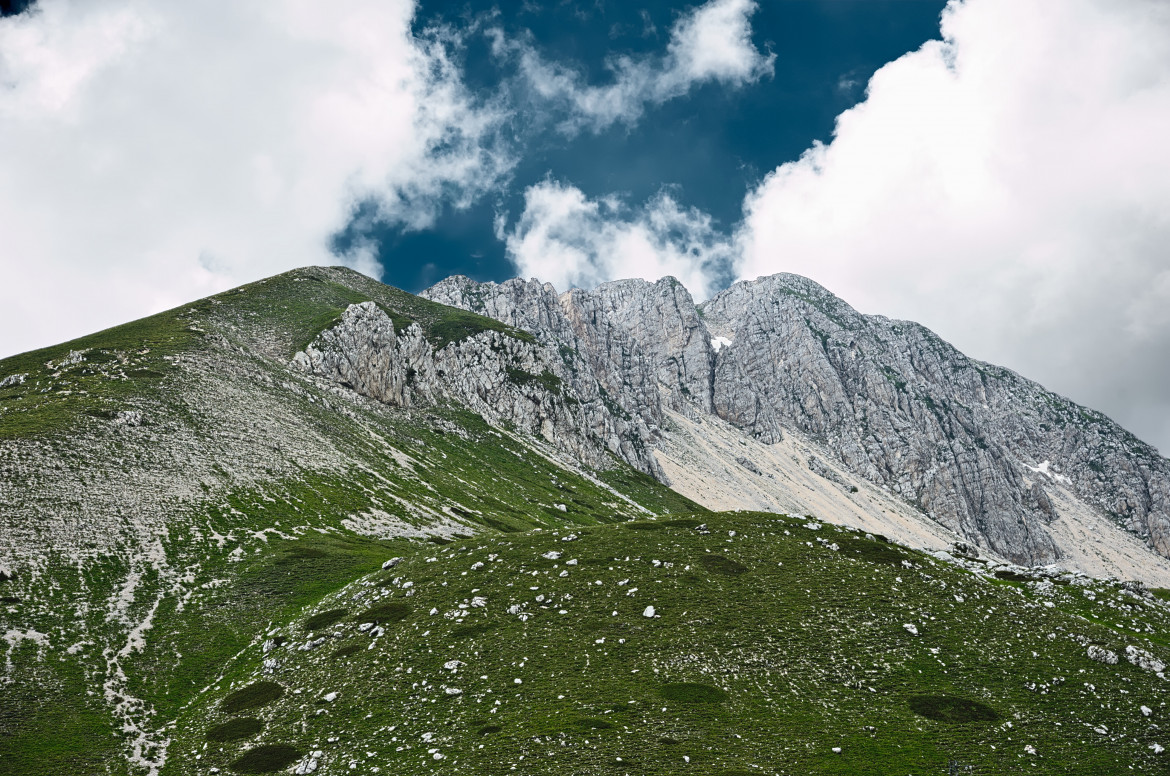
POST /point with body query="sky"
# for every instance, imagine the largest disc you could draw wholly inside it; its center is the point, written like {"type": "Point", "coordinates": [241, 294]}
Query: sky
{"type": "Point", "coordinates": [994, 169]}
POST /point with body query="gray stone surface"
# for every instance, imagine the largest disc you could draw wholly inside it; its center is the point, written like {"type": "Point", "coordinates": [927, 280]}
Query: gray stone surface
{"type": "Point", "coordinates": [970, 444]}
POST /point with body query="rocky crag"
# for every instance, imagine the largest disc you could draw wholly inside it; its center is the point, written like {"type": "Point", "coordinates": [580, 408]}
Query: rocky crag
{"type": "Point", "coordinates": [974, 447]}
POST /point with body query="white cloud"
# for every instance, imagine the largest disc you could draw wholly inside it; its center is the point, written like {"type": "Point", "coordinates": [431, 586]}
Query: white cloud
{"type": "Point", "coordinates": [710, 43]}
{"type": "Point", "coordinates": [1008, 187]}
{"type": "Point", "coordinates": [155, 152]}
{"type": "Point", "coordinates": [567, 239]}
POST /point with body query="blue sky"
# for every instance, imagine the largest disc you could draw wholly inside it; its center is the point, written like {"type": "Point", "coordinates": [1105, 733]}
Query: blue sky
{"type": "Point", "coordinates": [710, 146]}
{"type": "Point", "coordinates": [994, 169]}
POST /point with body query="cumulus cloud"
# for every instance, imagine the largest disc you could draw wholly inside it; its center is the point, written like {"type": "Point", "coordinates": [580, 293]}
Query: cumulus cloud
{"type": "Point", "coordinates": [710, 43]}
{"type": "Point", "coordinates": [155, 152]}
{"type": "Point", "coordinates": [568, 239]}
{"type": "Point", "coordinates": [1006, 186]}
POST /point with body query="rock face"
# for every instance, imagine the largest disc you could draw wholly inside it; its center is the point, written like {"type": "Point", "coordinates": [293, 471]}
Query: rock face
{"type": "Point", "coordinates": [510, 381]}
{"type": "Point", "coordinates": [970, 444]}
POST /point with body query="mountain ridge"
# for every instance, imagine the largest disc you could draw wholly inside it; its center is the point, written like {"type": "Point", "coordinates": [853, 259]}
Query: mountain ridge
{"type": "Point", "coordinates": [975, 446]}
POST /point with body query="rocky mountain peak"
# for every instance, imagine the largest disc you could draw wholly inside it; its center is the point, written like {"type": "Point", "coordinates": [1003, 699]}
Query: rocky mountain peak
{"type": "Point", "coordinates": [973, 446]}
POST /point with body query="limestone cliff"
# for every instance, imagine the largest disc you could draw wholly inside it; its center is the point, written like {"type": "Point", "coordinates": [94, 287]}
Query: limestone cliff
{"type": "Point", "coordinates": [973, 446]}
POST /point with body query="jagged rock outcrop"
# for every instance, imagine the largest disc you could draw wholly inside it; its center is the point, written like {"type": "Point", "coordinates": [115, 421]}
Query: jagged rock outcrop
{"type": "Point", "coordinates": [970, 444]}
{"type": "Point", "coordinates": [507, 380]}
{"type": "Point", "coordinates": [662, 318]}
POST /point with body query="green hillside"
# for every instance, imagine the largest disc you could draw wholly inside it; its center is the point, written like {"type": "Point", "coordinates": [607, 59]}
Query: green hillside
{"type": "Point", "coordinates": [170, 487]}
{"type": "Point", "coordinates": [774, 648]}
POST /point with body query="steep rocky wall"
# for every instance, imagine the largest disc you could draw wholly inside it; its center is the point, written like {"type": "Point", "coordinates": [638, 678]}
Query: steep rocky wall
{"type": "Point", "coordinates": [506, 380]}
{"type": "Point", "coordinates": [972, 445]}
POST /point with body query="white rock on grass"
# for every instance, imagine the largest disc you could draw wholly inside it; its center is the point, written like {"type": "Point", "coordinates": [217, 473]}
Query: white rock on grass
{"type": "Point", "coordinates": [1144, 660]}
{"type": "Point", "coordinates": [309, 764]}
{"type": "Point", "coordinates": [391, 563]}
{"type": "Point", "coordinates": [1147, 711]}
{"type": "Point", "coordinates": [1102, 655]}
{"type": "Point", "coordinates": [649, 611]}
{"type": "Point", "coordinates": [1157, 748]}
{"type": "Point", "coordinates": [330, 697]}
{"type": "Point", "coordinates": [910, 628]}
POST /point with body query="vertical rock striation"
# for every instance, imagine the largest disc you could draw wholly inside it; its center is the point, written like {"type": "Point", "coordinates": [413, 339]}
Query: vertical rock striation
{"type": "Point", "coordinates": [970, 444]}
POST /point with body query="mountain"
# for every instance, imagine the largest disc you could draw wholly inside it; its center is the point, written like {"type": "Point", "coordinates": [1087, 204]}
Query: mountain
{"type": "Point", "coordinates": [982, 452]}
{"type": "Point", "coordinates": [171, 486]}
{"type": "Point", "coordinates": [215, 518]}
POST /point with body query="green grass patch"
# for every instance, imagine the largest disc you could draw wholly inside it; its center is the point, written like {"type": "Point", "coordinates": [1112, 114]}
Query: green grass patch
{"type": "Point", "coordinates": [876, 550]}
{"type": "Point", "coordinates": [648, 491]}
{"type": "Point", "coordinates": [235, 729]}
{"type": "Point", "coordinates": [692, 692]}
{"type": "Point", "coordinates": [268, 758]}
{"type": "Point", "coordinates": [682, 522]}
{"type": "Point", "coordinates": [380, 614]}
{"type": "Point", "coordinates": [546, 379]}
{"type": "Point", "coordinates": [253, 696]}
{"type": "Point", "coordinates": [347, 651]}
{"type": "Point", "coordinates": [457, 325]}
{"type": "Point", "coordinates": [721, 565]}
{"type": "Point", "coordinates": [946, 708]}
{"type": "Point", "coordinates": [325, 619]}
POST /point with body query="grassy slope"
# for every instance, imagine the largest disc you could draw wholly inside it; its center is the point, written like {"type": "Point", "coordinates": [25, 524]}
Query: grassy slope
{"type": "Point", "coordinates": [783, 647]}
{"type": "Point", "coordinates": [230, 581]}
{"type": "Point", "coordinates": [281, 315]}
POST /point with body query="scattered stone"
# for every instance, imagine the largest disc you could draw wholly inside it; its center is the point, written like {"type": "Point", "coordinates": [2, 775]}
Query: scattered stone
{"type": "Point", "coordinates": [748, 464]}
{"type": "Point", "coordinates": [1102, 655]}
{"type": "Point", "coordinates": [309, 764]}
{"type": "Point", "coordinates": [1144, 660]}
